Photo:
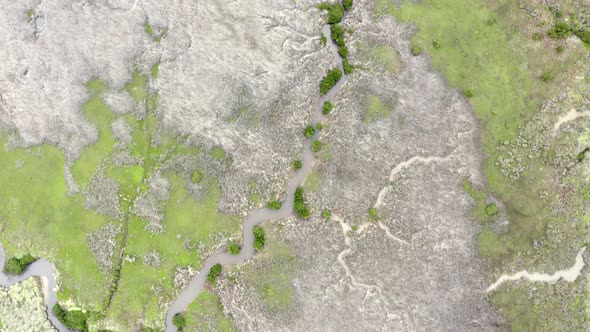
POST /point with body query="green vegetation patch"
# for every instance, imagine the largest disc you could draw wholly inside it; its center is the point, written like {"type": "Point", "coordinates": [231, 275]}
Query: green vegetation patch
{"type": "Point", "coordinates": [233, 249]}
{"type": "Point", "coordinates": [271, 276]}
{"type": "Point", "coordinates": [72, 319]}
{"type": "Point", "coordinates": [205, 310]}
{"type": "Point", "coordinates": [335, 11]}
{"type": "Point", "coordinates": [389, 57]}
{"type": "Point", "coordinates": [274, 205]}
{"type": "Point", "coordinates": [333, 76]}
{"type": "Point", "coordinates": [214, 272]}
{"type": "Point", "coordinates": [137, 88]}
{"type": "Point", "coordinates": [259, 238]}
{"type": "Point", "coordinates": [376, 109]}
{"type": "Point", "coordinates": [18, 265]}
{"type": "Point", "coordinates": [300, 206]}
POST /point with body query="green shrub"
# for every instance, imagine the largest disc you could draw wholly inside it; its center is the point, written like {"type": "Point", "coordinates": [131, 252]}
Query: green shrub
{"type": "Point", "coordinates": [16, 266]}
{"type": "Point", "coordinates": [178, 321]}
{"type": "Point", "coordinates": [435, 44]}
{"type": "Point", "coordinates": [468, 93]}
{"type": "Point", "coordinates": [373, 214]}
{"type": "Point", "coordinates": [416, 49]}
{"type": "Point", "coordinates": [337, 34]}
{"type": "Point", "coordinates": [560, 30]}
{"type": "Point", "coordinates": [319, 125]}
{"type": "Point", "coordinates": [546, 77]}
{"type": "Point", "coordinates": [327, 107]}
{"type": "Point", "coordinates": [72, 319]}
{"type": "Point", "coordinates": [274, 205]}
{"type": "Point", "coordinates": [197, 176]}
{"type": "Point", "coordinates": [559, 49]}
{"type": "Point", "coordinates": [309, 131]}
{"type": "Point", "coordinates": [491, 209]}
{"type": "Point", "coordinates": [214, 272]}
{"type": "Point", "coordinates": [297, 164]}
{"type": "Point", "coordinates": [299, 205]}
{"type": "Point", "coordinates": [259, 238]}
{"type": "Point", "coordinates": [330, 80]}
{"type": "Point", "coordinates": [583, 35]}
{"type": "Point", "coordinates": [347, 67]}
{"type": "Point", "coordinates": [343, 51]}
{"type": "Point", "coordinates": [537, 36]}
{"type": "Point", "coordinates": [323, 40]}
{"type": "Point", "coordinates": [316, 146]}
{"type": "Point", "coordinates": [233, 249]}
{"type": "Point", "coordinates": [335, 13]}
{"type": "Point", "coordinates": [347, 4]}
{"type": "Point", "coordinates": [326, 214]}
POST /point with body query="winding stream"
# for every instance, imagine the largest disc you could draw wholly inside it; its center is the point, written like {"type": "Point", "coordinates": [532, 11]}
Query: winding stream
{"type": "Point", "coordinates": [43, 269]}
{"type": "Point", "coordinates": [195, 286]}
{"type": "Point", "coordinates": [46, 271]}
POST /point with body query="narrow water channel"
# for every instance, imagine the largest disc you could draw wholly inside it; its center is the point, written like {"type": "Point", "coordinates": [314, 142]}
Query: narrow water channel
{"type": "Point", "coordinates": [46, 271]}
{"type": "Point", "coordinates": [43, 269]}
{"type": "Point", "coordinates": [195, 286]}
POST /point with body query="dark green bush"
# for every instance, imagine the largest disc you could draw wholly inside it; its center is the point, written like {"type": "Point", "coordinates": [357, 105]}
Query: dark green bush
{"type": "Point", "coordinates": [347, 4]}
{"type": "Point", "coordinates": [583, 35]}
{"type": "Point", "coordinates": [337, 34]}
{"type": "Point", "coordinates": [233, 249]}
{"type": "Point", "coordinates": [214, 272]}
{"type": "Point", "coordinates": [335, 13]}
{"type": "Point", "coordinates": [274, 205]}
{"type": "Point", "coordinates": [297, 164]}
{"type": "Point", "coordinates": [560, 30]}
{"type": "Point", "coordinates": [316, 146]}
{"type": "Point", "coordinates": [178, 321]}
{"type": "Point", "coordinates": [559, 49]}
{"type": "Point", "coordinates": [546, 77]}
{"type": "Point", "coordinates": [327, 107]}
{"type": "Point", "coordinates": [435, 44]}
{"type": "Point", "coordinates": [17, 266]}
{"type": "Point", "coordinates": [330, 80]}
{"type": "Point", "coordinates": [309, 131]}
{"type": "Point", "coordinates": [299, 205]}
{"type": "Point", "coordinates": [347, 67]}
{"type": "Point", "coordinates": [259, 238]}
{"type": "Point", "coordinates": [73, 319]}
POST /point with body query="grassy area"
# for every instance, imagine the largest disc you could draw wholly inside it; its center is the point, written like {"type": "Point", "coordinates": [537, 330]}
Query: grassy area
{"type": "Point", "coordinates": [388, 56]}
{"type": "Point", "coordinates": [207, 308]}
{"type": "Point", "coordinates": [488, 55]}
{"type": "Point", "coordinates": [312, 182]}
{"type": "Point", "coordinates": [41, 219]}
{"type": "Point", "coordinates": [375, 109]}
{"type": "Point", "coordinates": [137, 88]}
{"type": "Point", "coordinates": [271, 277]}
{"type": "Point", "coordinates": [97, 113]}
